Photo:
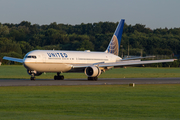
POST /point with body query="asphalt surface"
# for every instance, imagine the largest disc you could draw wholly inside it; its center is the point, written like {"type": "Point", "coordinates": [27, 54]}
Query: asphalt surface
{"type": "Point", "coordinates": [101, 81]}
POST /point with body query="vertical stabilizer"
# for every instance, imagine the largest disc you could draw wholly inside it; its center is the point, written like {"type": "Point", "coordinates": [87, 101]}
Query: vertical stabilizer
{"type": "Point", "coordinates": [115, 42]}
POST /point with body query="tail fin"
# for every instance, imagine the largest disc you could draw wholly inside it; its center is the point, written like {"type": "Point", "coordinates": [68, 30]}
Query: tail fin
{"type": "Point", "coordinates": [114, 44]}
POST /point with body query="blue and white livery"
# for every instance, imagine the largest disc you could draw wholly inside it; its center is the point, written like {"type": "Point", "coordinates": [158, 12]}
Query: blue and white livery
{"type": "Point", "coordinates": [115, 42]}
{"type": "Point", "coordinates": [91, 63]}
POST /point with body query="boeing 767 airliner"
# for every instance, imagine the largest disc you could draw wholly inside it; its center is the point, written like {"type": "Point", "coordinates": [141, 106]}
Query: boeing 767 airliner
{"type": "Point", "coordinates": [91, 63]}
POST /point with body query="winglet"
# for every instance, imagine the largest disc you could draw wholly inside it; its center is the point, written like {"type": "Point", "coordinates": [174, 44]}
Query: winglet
{"type": "Point", "coordinates": [115, 42]}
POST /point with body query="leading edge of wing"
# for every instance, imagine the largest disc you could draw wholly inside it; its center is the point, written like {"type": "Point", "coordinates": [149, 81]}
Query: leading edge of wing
{"type": "Point", "coordinates": [122, 63]}
{"type": "Point", "coordinates": [134, 62]}
{"type": "Point", "coordinates": [13, 59]}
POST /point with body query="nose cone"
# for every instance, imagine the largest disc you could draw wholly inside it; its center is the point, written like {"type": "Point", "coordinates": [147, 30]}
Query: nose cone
{"type": "Point", "coordinates": [27, 62]}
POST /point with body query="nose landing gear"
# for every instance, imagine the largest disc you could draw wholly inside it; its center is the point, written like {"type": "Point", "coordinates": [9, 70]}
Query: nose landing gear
{"type": "Point", "coordinates": [32, 78]}
{"type": "Point", "coordinates": [33, 74]}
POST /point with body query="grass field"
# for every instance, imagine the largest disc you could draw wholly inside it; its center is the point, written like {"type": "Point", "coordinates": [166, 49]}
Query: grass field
{"type": "Point", "coordinates": [147, 102]}
{"type": "Point", "coordinates": [19, 72]}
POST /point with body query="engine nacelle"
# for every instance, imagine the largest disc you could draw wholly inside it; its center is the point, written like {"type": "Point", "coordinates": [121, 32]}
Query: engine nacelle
{"type": "Point", "coordinates": [34, 72]}
{"type": "Point", "coordinates": [92, 71]}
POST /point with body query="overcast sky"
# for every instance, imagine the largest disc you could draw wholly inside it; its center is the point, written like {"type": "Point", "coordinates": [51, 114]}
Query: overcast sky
{"type": "Point", "coordinates": [152, 13]}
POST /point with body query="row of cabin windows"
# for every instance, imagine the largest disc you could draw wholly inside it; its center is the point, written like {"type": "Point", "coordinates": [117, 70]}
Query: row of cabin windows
{"type": "Point", "coordinates": [80, 59]}
{"type": "Point", "coordinates": [69, 58]}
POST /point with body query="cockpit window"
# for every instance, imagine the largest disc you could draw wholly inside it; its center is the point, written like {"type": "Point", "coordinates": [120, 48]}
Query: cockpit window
{"type": "Point", "coordinates": [31, 56]}
{"type": "Point", "coordinates": [34, 57]}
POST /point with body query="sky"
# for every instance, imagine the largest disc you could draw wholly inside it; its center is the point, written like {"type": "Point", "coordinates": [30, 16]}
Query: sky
{"type": "Point", "coordinates": [152, 13]}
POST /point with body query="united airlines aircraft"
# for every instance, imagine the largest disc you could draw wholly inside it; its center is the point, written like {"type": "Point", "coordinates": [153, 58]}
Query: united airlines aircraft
{"type": "Point", "coordinates": [91, 63]}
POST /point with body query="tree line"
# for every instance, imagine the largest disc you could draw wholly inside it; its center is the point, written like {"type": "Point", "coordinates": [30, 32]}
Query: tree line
{"type": "Point", "coordinates": [18, 39]}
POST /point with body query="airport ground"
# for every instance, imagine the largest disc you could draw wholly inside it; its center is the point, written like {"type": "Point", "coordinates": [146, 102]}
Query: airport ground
{"type": "Point", "coordinates": [101, 81]}
{"type": "Point", "coordinates": [150, 102]}
{"type": "Point", "coordinates": [17, 76]}
{"type": "Point", "coordinates": [19, 72]}
{"type": "Point", "coordinates": [108, 98]}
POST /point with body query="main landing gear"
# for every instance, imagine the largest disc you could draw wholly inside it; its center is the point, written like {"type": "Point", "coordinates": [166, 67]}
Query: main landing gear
{"type": "Point", "coordinates": [58, 77]}
{"type": "Point", "coordinates": [93, 78]}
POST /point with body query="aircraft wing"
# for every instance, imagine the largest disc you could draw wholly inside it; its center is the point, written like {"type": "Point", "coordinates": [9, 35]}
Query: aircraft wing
{"type": "Point", "coordinates": [13, 59]}
{"type": "Point", "coordinates": [134, 63]}
{"type": "Point", "coordinates": [124, 63]}
{"type": "Point", "coordinates": [134, 58]}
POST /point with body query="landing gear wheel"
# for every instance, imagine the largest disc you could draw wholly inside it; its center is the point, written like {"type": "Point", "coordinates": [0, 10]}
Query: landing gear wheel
{"type": "Point", "coordinates": [61, 77]}
{"type": "Point", "coordinates": [55, 77]}
{"type": "Point", "coordinates": [32, 73]}
{"type": "Point", "coordinates": [32, 78]}
{"type": "Point", "coordinates": [93, 78]}
{"type": "Point", "coordinates": [58, 77]}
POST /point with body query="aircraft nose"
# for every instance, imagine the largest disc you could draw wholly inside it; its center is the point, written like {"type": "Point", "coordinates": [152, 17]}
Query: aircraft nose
{"type": "Point", "coordinates": [25, 62]}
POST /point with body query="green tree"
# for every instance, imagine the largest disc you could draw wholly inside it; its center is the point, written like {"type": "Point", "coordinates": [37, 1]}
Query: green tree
{"type": "Point", "coordinates": [4, 30]}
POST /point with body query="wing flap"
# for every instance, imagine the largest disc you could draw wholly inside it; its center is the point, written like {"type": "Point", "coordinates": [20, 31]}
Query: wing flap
{"type": "Point", "coordinates": [13, 59]}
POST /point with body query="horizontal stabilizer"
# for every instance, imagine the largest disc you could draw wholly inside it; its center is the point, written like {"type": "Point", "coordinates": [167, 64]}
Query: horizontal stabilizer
{"type": "Point", "coordinates": [13, 59]}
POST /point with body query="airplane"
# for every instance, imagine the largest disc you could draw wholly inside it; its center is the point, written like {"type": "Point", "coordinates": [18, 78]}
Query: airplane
{"type": "Point", "coordinates": [91, 63]}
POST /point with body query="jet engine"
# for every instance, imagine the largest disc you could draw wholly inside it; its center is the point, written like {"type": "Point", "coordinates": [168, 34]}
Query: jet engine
{"type": "Point", "coordinates": [34, 72]}
{"type": "Point", "coordinates": [92, 71]}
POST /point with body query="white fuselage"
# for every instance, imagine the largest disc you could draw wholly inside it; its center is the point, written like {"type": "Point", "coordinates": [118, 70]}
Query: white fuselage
{"type": "Point", "coordinates": [63, 61]}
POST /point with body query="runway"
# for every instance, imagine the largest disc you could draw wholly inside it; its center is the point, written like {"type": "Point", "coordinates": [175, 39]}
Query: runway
{"type": "Point", "coordinates": [101, 81]}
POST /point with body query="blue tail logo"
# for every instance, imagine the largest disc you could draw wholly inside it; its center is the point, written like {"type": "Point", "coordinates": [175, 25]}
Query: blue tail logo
{"type": "Point", "coordinates": [115, 42]}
